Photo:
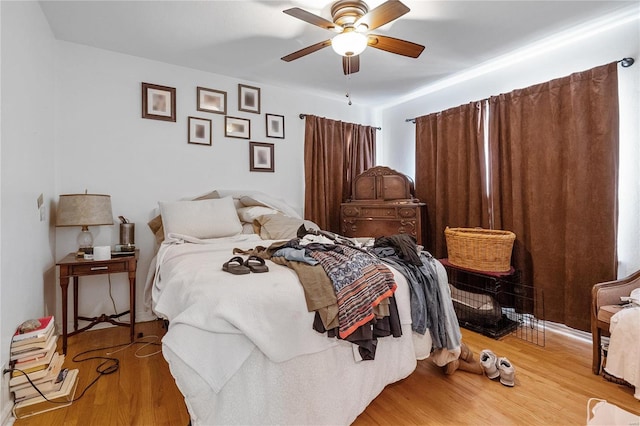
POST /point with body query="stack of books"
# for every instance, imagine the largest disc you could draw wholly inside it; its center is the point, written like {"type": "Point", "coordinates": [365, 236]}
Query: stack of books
{"type": "Point", "coordinates": [33, 354]}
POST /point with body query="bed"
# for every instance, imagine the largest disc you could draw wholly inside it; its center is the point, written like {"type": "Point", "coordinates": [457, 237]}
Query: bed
{"type": "Point", "coordinates": [242, 348]}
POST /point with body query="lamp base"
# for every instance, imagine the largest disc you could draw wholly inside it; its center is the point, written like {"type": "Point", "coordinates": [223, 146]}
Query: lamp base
{"type": "Point", "coordinates": [85, 237]}
{"type": "Point", "coordinates": [85, 243]}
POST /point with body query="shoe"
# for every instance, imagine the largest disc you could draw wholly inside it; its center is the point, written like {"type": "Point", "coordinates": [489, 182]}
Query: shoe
{"type": "Point", "coordinates": [451, 367]}
{"type": "Point", "coordinates": [465, 352]}
{"type": "Point", "coordinates": [235, 266]}
{"type": "Point", "coordinates": [256, 264]}
{"type": "Point", "coordinates": [472, 366]}
{"type": "Point", "coordinates": [507, 372]}
{"type": "Point", "coordinates": [488, 361]}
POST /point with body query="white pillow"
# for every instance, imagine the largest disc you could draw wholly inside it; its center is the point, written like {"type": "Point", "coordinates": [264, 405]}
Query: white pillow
{"type": "Point", "coordinates": [260, 199]}
{"type": "Point", "coordinates": [280, 227]}
{"type": "Point", "coordinates": [213, 218]}
{"type": "Point", "coordinates": [247, 228]}
{"type": "Point", "coordinates": [247, 214]}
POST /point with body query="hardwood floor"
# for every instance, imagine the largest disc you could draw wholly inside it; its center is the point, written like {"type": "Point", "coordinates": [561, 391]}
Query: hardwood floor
{"type": "Point", "coordinates": [553, 384]}
{"type": "Point", "coordinates": [141, 392]}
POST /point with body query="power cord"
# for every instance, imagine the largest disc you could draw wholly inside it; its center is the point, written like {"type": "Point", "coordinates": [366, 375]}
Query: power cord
{"type": "Point", "coordinates": [109, 365]}
{"type": "Point", "coordinates": [113, 302]}
{"type": "Point", "coordinates": [9, 370]}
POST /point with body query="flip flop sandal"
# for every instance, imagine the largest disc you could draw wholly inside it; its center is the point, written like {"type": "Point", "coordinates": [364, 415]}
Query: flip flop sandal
{"type": "Point", "coordinates": [235, 266]}
{"type": "Point", "coordinates": [256, 264]}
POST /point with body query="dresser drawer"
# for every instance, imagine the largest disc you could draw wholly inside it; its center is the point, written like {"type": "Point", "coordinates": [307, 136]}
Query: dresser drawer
{"type": "Point", "coordinates": [382, 219]}
{"type": "Point", "coordinates": [386, 212]}
{"type": "Point", "coordinates": [94, 269]}
{"type": "Point", "coordinates": [367, 227]}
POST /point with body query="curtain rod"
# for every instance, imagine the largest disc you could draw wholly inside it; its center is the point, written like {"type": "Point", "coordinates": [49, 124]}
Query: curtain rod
{"type": "Point", "coordinates": [302, 116]}
{"type": "Point", "coordinates": [625, 62]}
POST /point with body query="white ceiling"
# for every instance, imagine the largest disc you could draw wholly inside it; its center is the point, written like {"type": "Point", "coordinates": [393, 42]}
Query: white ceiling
{"type": "Point", "coordinates": [246, 39]}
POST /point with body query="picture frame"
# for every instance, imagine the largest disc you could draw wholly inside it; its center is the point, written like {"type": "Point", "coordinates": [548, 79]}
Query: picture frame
{"type": "Point", "coordinates": [212, 100]}
{"type": "Point", "coordinates": [248, 98]}
{"type": "Point", "coordinates": [199, 131]}
{"type": "Point", "coordinates": [235, 127]}
{"type": "Point", "coordinates": [261, 157]}
{"type": "Point", "coordinates": [158, 102]}
{"type": "Point", "coordinates": [275, 126]}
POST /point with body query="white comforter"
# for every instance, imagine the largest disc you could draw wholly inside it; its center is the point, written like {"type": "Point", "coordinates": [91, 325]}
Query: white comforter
{"type": "Point", "coordinates": [227, 316]}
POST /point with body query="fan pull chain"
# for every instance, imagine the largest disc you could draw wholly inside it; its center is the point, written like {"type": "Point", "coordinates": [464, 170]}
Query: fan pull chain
{"type": "Point", "coordinates": [348, 81]}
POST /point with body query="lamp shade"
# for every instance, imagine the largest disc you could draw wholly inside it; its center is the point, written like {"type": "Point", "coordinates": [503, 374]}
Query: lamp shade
{"type": "Point", "coordinates": [349, 43]}
{"type": "Point", "coordinates": [84, 210]}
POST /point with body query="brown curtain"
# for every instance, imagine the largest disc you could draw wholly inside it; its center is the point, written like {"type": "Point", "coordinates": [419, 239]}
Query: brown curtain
{"type": "Point", "coordinates": [450, 172]}
{"type": "Point", "coordinates": [334, 153]}
{"type": "Point", "coordinates": [554, 174]}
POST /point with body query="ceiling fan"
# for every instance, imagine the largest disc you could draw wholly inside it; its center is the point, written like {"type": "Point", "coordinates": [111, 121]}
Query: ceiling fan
{"type": "Point", "coordinates": [352, 21]}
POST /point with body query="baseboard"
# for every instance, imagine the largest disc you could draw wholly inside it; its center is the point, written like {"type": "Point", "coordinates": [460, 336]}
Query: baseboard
{"type": "Point", "coordinates": [145, 317]}
{"type": "Point", "coordinates": [568, 331]}
{"type": "Point", "coordinates": [6, 402]}
{"type": "Point", "coordinates": [6, 417]}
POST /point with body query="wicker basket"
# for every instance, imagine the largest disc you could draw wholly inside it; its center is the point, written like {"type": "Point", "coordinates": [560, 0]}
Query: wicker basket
{"type": "Point", "coordinates": [480, 249]}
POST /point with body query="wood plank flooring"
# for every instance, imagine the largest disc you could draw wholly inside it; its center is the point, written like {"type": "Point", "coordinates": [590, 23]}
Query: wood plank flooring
{"type": "Point", "coordinates": [553, 384]}
{"type": "Point", "coordinates": [142, 391]}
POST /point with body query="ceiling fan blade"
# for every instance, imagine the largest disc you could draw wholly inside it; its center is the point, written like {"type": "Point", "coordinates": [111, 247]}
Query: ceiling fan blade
{"type": "Point", "coordinates": [395, 45]}
{"type": "Point", "coordinates": [309, 17]}
{"type": "Point", "coordinates": [383, 14]}
{"type": "Point", "coordinates": [307, 50]}
{"type": "Point", "coordinates": [350, 64]}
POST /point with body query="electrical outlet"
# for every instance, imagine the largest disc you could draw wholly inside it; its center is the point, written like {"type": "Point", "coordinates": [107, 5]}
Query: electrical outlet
{"type": "Point", "coordinates": [41, 207]}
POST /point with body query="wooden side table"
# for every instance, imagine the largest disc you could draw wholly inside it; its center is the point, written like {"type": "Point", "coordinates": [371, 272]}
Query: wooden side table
{"type": "Point", "coordinates": [74, 267]}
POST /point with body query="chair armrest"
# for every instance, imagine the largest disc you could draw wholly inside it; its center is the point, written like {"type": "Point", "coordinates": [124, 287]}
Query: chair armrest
{"type": "Point", "coordinates": [609, 293]}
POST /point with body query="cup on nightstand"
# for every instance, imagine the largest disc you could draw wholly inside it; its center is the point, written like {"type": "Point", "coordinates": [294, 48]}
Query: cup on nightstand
{"type": "Point", "coordinates": [127, 236]}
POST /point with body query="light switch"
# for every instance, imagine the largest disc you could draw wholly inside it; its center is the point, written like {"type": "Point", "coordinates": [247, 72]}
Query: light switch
{"type": "Point", "coordinates": [41, 207]}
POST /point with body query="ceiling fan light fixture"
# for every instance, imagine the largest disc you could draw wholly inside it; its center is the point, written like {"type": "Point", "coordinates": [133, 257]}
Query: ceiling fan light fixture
{"type": "Point", "coordinates": [349, 43]}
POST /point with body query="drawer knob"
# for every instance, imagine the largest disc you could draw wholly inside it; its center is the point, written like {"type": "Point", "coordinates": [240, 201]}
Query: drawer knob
{"type": "Point", "coordinates": [99, 268]}
{"type": "Point", "coordinates": [407, 212]}
{"type": "Point", "coordinates": [351, 211]}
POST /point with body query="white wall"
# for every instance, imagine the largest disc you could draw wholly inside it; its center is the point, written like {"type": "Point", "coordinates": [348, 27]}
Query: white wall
{"type": "Point", "coordinates": [26, 171]}
{"type": "Point", "coordinates": [611, 38]}
{"type": "Point", "coordinates": [103, 145]}
{"type": "Point", "coordinates": [71, 121]}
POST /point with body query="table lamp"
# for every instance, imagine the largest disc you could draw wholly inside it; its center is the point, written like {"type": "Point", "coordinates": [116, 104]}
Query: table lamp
{"type": "Point", "coordinates": [84, 210]}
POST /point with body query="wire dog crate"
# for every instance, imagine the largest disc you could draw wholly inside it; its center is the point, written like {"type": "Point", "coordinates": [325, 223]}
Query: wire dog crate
{"type": "Point", "coordinates": [496, 304]}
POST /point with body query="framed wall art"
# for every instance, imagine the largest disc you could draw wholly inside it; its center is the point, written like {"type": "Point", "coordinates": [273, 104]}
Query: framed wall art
{"type": "Point", "coordinates": [158, 102]}
{"type": "Point", "coordinates": [248, 99]}
{"type": "Point", "coordinates": [275, 126]}
{"type": "Point", "coordinates": [199, 131]}
{"type": "Point", "coordinates": [261, 157]}
{"type": "Point", "coordinates": [235, 127]}
{"type": "Point", "coordinates": [211, 100]}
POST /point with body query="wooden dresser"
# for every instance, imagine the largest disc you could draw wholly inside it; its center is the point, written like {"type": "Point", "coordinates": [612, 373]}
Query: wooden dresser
{"type": "Point", "coordinates": [383, 204]}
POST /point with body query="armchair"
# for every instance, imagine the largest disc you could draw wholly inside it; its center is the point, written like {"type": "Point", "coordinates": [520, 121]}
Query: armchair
{"type": "Point", "coordinates": [605, 301]}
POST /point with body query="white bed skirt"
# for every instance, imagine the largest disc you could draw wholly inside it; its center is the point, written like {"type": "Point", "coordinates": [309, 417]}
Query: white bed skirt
{"type": "Point", "coordinates": [324, 388]}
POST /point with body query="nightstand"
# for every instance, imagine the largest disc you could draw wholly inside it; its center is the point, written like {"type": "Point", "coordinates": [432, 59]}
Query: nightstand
{"type": "Point", "coordinates": [74, 267]}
